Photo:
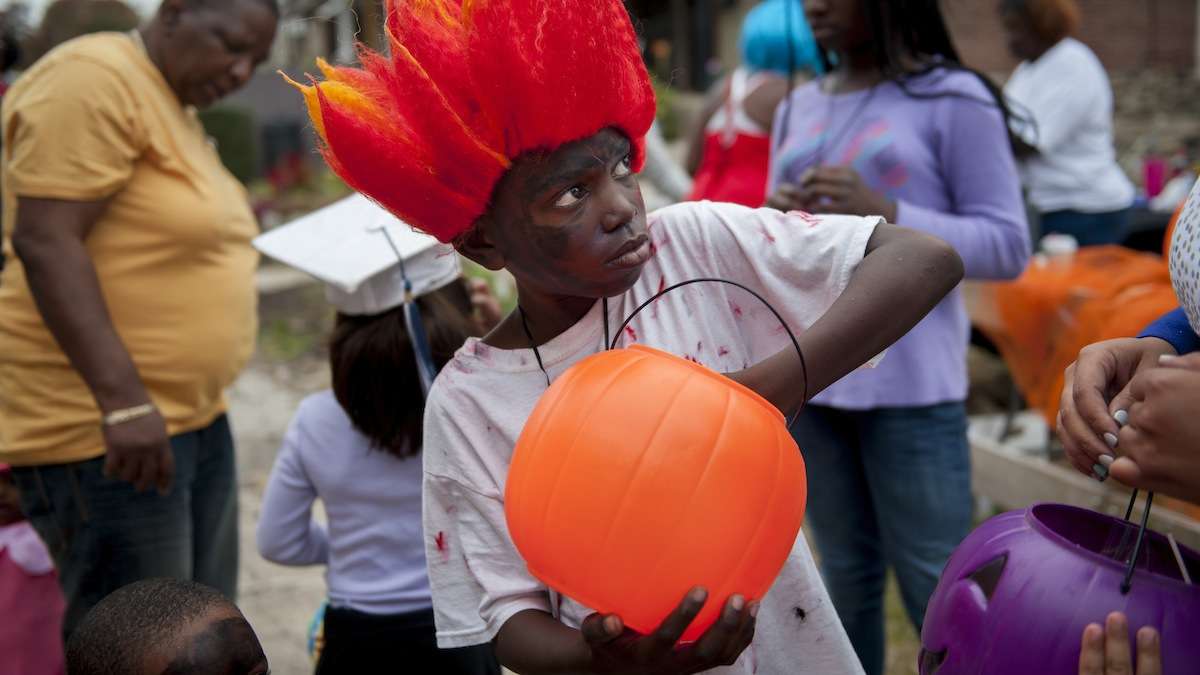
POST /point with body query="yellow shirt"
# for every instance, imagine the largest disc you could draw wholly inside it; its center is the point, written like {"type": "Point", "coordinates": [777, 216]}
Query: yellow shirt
{"type": "Point", "coordinates": [93, 119]}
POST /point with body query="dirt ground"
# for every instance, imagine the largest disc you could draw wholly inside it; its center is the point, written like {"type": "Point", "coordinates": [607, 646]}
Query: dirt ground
{"type": "Point", "coordinates": [278, 601]}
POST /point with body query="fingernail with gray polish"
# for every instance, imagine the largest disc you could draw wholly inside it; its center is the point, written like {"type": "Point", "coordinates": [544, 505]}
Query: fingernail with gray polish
{"type": "Point", "coordinates": [1111, 439]}
{"type": "Point", "coordinates": [1122, 417]}
{"type": "Point", "coordinates": [1100, 472]}
{"type": "Point", "coordinates": [1107, 460]}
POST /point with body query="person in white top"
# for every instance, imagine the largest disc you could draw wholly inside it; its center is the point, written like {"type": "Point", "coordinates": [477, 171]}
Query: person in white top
{"type": "Point", "coordinates": [563, 213]}
{"type": "Point", "coordinates": [357, 447]}
{"type": "Point", "coordinates": [1063, 114]}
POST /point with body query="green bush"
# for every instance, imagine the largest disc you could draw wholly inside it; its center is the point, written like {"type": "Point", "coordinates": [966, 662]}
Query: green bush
{"type": "Point", "coordinates": [669, 122]}
{"type": "Point", "coordinates": [233, 129]}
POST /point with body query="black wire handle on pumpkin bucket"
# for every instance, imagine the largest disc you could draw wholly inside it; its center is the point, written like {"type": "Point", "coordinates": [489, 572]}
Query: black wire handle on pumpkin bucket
{"type": "Point", "coordinates": [1131, 564]}
{"type": "Point", "coordinates": [786, 327]}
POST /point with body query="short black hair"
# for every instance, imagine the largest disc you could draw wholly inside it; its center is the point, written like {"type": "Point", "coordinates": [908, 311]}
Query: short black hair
{"type": "Point", "coordinates": [117, 633]}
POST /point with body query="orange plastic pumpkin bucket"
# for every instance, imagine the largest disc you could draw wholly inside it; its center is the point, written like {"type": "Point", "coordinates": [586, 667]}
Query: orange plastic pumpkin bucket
{"type": "Point", "coordinates": [640, 475]}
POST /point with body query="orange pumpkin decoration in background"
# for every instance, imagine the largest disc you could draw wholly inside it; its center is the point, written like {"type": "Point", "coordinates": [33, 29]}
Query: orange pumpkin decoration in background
{"type": "Point", "coordinates": [640, 475]}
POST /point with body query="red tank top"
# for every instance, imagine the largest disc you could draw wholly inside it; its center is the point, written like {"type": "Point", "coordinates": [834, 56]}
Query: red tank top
{"type": "Point", "coordinates": [737, 152]}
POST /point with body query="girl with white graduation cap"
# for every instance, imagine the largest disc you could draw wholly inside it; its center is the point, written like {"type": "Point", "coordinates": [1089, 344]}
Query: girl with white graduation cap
{"type": "Point", "coordinates": [403, 309]}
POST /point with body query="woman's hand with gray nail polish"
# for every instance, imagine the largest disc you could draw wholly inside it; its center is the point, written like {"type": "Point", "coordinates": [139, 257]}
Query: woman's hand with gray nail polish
{"type": "Point", "coordinates": [1095, 386]}
{"type": "Point", "coordinates": [1160, 444]}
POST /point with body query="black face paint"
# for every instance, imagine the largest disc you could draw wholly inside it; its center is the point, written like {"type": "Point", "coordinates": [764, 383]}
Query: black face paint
{"type": "Point", "coordinates": [549, 232]}
{"type": "Point", "coordinates": [551, 241]}
{"type": "Point", "coordinates": [224, 647]}
{"type": "Point", "coordinates": [564, 249]}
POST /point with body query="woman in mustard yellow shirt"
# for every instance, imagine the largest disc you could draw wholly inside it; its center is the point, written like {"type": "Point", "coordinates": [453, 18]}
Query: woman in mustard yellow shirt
{"type": "Point", "coordinates": [129, 299]}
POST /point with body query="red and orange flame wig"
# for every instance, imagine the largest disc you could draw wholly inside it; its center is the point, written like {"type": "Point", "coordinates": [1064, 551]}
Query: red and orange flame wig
{"type": "Point", "coordinates": [469, 86]}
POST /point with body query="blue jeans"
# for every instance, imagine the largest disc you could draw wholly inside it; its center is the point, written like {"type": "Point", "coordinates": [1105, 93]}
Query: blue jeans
{"type": "Point", "coordinates": [104, 534]}
{"type": "Point", "coordinates": [1089, 229]}
{"type": "Point", "coordinates": [886, 487]}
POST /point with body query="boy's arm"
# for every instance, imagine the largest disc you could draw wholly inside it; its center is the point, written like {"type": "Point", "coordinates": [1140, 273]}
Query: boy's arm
{"type": "Point", "coordinates": [902, 276]}
{"type": "Point", "coordinates": [533, 642]}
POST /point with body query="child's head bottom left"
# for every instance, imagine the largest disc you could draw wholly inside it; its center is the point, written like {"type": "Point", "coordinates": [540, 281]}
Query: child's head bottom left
{"type": "Point", "coordinates": [165, 627]}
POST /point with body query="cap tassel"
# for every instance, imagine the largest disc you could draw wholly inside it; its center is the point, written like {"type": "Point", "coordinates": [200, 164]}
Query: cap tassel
{"type": "Point", "coordinates": [415, 326]}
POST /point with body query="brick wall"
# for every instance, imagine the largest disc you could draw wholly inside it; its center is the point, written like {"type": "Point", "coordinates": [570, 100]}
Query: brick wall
{"type": "Point", "coordinates": [1127, 35]}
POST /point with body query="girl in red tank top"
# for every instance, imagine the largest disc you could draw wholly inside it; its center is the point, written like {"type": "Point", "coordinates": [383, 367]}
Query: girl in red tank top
{"type": "Point", "coordinates": [731, 147]}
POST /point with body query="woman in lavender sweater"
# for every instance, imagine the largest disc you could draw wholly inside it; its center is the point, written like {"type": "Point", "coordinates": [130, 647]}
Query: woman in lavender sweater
{"type": "Point", "coordinates": [897, 128]}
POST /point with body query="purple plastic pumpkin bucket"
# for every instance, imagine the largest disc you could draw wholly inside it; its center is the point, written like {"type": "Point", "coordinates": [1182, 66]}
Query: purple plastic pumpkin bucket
{"type": "Point", "coordinates": [1017, 593]}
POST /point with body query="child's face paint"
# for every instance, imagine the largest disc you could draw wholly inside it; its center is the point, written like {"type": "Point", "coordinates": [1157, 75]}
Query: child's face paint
{"type": "Point", "coordinates": [219, 643]}
{"type": "Point", "coordinates": [568, 223]}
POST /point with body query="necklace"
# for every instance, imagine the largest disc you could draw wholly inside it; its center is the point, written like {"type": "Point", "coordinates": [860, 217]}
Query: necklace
{"type": "Point", "coordinates": [533, 344]}
{"type": "Point", "coordinates": [837, 138]}
{"type": "Point", "coordinates": [554, 596]}
{"type": "Point", "coordinates": [612, 344]}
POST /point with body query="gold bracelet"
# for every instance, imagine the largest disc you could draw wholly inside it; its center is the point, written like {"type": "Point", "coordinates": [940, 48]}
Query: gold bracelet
{"type": "Point", "coordinates": [128, 414]}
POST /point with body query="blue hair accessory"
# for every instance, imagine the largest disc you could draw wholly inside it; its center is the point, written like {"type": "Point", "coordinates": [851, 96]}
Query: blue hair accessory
{"type": "Point", "coordinates": [776, 37]}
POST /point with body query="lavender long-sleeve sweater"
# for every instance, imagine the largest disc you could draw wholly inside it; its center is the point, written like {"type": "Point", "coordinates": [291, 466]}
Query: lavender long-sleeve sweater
{"type": "Point", "coordinates": [947, 163]}
{"type": "Point", "coordinates": [373, 547]}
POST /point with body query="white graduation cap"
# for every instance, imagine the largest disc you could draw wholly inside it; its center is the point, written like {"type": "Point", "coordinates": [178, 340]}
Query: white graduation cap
{"type": "Point", "coordinates": [363, 254]}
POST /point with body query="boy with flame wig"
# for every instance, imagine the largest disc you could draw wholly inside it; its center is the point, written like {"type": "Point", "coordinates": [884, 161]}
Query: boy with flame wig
{"type": "Point", "coordinates": [513, 128]}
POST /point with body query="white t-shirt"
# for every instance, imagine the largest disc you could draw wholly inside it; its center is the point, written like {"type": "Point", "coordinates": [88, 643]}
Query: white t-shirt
{"type": "Point", "coordinates": [1067, 95]}
{"type": "Point", "coordinates": [481, 399]}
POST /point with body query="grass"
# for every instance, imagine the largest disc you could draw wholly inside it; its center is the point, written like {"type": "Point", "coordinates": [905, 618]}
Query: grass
{"type": "Point", "coordinates": [501, 283]}
{"type": "Point", "coordinates": [279, 340]}
{"type": "Point", "coordinates": [293, 324]}
{"type": "Point", "coordinates": [903, 645]}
